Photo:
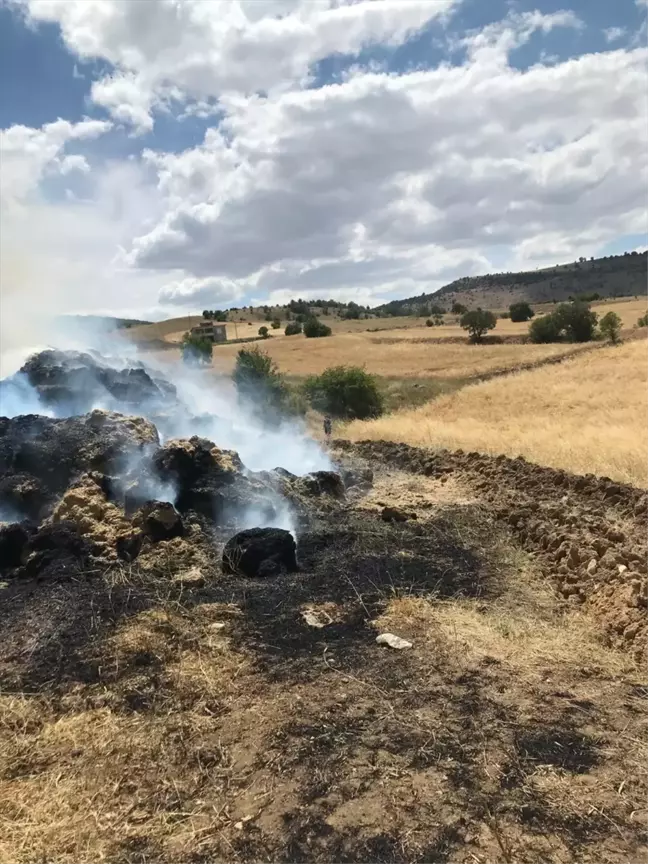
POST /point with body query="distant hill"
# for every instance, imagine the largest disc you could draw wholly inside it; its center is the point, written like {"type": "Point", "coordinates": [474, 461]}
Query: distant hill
{"type": "Point", "coordinates": [614, 276]}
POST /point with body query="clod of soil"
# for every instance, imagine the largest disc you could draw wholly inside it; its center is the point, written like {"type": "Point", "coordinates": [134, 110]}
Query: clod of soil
{"type": "Point", "coordinates": [158, 521]}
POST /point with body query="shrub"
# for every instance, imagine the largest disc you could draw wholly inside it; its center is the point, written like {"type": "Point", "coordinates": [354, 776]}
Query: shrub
{"type": "Point", "coordinates": [314, 328]}
{"type": "Point", "coordinates": [263, 331]}
{"type": "Point", "coordinates": [276, 324]}
{"type": "Point", "coordinates": [576, 320]}
{"type": "Point", "coordinates": [505, 315]}
{"type": "Point", "coordinates": [572, 321]}
{"type": "Point", "coordinates": [544, 329]}
{"type": "Point", "coordinates": [521, 311]}
{"type": "Point", "coordinates": [259, 383]}
{"type": "Point", "coordinates": [458, 309]}
{"type": "Point", "coordinates": [610, 326]}
{"type": "Point", "coordinates": [643, 321]}
{"type": "Point", "coordinates": [293, 328]}
{"type": "Point", "coordinates": [196, 351]}
{"type": "Point", "coordinates": [477, 322]}
{"type": "Point", "coordinates": [429, 322]}
{"type": "Point", "coordinates": [345, 391]}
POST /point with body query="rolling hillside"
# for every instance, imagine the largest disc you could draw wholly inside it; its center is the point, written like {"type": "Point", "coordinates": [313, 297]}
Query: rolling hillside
{"type": "Point", "coordinates": [615, 276]}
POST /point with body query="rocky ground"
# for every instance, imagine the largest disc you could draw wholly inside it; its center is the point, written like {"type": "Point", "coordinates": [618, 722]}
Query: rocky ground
{"type": "Point", "coordinates": [175, 689]}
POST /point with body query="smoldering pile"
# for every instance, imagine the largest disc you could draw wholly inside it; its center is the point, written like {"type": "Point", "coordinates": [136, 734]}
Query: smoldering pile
{"type": "Point", "coordinates": [88, 487]}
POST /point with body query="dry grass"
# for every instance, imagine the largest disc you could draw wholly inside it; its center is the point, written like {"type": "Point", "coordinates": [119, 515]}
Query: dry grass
{"type": "Point", "coordinates": [588, 414]}
{"type": "Point", "coordinates": [403, 358]}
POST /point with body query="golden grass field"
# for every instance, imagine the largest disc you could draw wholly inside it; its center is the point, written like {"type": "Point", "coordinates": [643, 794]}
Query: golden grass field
{"type": "Point", "coordinates": [403, 358]}
{"type": "Point", "coordinates": [588, 414]}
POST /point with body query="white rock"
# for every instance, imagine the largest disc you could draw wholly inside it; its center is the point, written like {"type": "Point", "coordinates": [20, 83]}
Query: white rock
{"type": "Point", "coordinates": [393, 641]}
{"type": "Point", "coordinates": [316, 617]}
{"type": "Point", "coordinates": [622, 568]}
{"type": "Point", "coordinates": [591, 567]}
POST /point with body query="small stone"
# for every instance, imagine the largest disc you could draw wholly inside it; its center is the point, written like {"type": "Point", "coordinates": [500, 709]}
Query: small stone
{"type": "Point", "coordinates": [316, 618]}
{"type": "Point", "coordinates": [393, 641]}
{"type": "Point", "coordinates": [591, 567]}
{"type": "Point", "coordinates": [622, 568]}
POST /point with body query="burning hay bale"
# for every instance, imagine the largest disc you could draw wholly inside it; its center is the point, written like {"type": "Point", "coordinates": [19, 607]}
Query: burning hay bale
{"type": "Point", "coordinates": [103, 488]}
{"type": "Point", "coordinates": [72, 382]}
{"type": "Point", "coordinates": [41, 456]}
{"type": "Point", "coordinates": [260, 552]}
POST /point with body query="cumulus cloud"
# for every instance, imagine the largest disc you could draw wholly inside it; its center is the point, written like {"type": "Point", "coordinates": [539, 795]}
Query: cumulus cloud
{"type": "Point", "coordinates": [383, 184]}
{"type": "Point", "coordinates": [27, 152]}
{"type": "Point", "coordinates": [206, 49]}
{"type": "Point", "coordinates": [367, 179]}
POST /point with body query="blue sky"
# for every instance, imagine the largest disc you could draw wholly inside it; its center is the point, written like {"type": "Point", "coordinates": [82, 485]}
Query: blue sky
{"type": "Point", "coordinates": [213, 121]}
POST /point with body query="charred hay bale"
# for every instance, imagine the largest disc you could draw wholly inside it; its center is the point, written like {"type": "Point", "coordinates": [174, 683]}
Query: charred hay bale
{"type": "Point", "coordinates": [55, 452]}
{"type": "Point", "coordinates": [73, 381]}
{"type": "Point", "coordinates": [210, 481]}
{"type": "Point", "coordinates": [159, 520]}
{"type": "Point", "coordinates": [321, 483]}
{"type": "Point", "coordinates": [14, 537]}
{"type": "Point", "coordinates": [260, 552]}
{"type": "Point", "coordinates": [57, 551]}
{"type": "Point", "coordinates": [25, 495]}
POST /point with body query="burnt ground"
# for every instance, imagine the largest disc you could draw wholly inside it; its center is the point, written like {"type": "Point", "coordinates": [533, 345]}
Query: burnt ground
{"type": "Point", "coordinates": [165, 711]}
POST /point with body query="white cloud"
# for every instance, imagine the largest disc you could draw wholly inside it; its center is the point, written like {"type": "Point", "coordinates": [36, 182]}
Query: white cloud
{"type": "Point", "coordinates": [382, 185]}
{"type": "Point", "coordinates": [205, 49]}
{"type": "Point", "coordinates": [73, 162]}
{"type": "Point", "coordinates": [613, 34]}
{"type": "Point", "coordinates": [27, 152]}
{"type": "Point", "coordinates": [355, 183]}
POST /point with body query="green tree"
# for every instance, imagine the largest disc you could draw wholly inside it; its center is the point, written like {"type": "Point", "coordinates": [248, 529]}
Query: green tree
{"type": "Point", "coordinates": [544, 329]}
{"type": "Point", "coordinates": [260, 385]}
{"type": "Point", "coordinates": [610, 326]}
{"type": "Point", "coordinates": [314, 328]}
{"type": "Point", "coordinates": [643, 321]}
{"type": "Point", "coordinates": [293, 328]}
{"type": "Point", "coordinates": [429, 323]}
{"type": "Point", "coordinates": [477, 322]}
{"type": "Point", "coordinates": [521, 311]}
{"type": "Point", "coordinates": [196, 350]}
{"type": "Point", "coordinates": [458, 309]}
{"type": "Point", "coordinates": [352, 311]}
{"type": "Point", "coordinates": [576, 320]}
{"type": "Point", "coordinates": [276, 324]}
{"type": "Point", "coordinates": [263, 331]}
{"type": "Point", "coordinates": [345, 391]}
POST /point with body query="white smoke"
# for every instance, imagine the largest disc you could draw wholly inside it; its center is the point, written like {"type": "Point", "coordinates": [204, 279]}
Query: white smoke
{"type": "Point", "coordinates": [208, 407]}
